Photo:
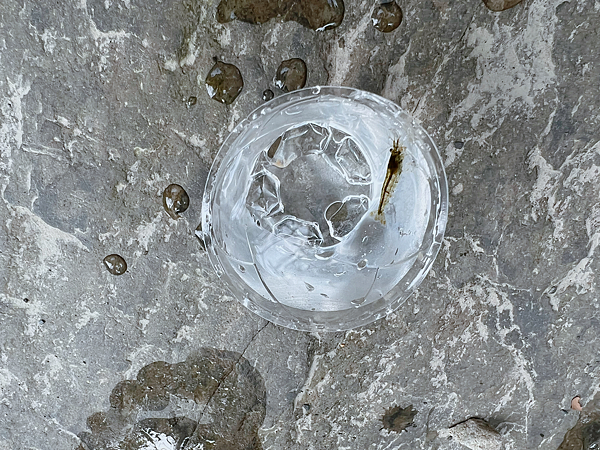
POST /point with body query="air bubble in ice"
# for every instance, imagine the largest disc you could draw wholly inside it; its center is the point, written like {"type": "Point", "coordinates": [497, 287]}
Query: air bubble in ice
{"type": "Point", "coordinates": [343, 216]}
{"type": "Point", "coordinates": [263, 197]}
{"type": "Point", "coordinates": [303, 140]}
{"type": "Point", "coordinates": [301, 230]}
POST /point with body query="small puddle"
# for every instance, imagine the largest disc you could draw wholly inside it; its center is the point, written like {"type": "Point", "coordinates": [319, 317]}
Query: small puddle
{"type": "Point", "coordinates": [399, 419]}
{"type": "Point", "coordinates": [318, 15]}
{"type": "Point", "coordinates": [267, 95]}
{"type": "Point", "coordinates": [387, 17]}
{"type": "Point", "coordinates": [501, 5]}
{"type": "Point", "coordinates": [115, 264]}
{"type": "Point", "coordinates": [175, 200]}
{"type": "Point", "coordinates": [291, 75]}
{"type": "Point", "coordinates": [164, 407]}
{"type": "Point", "coordinates": [224, 82]}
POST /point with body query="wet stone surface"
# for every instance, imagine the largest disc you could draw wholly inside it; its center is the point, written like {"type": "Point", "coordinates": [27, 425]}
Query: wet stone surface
{"type": "Point", "coordinates": [585, 435]}
{"type": "Point", "coordinates": [399, 419]}
{"type": "Point", "coordinates": [96, 120]}
{"type": "Point", "coordinates": [314, 14]}
{"type": "Point", "coordinates": [115, 264]}
{"type": "Point", "coordinates": [175, 200]}
{"type": "Point", "coordinates": [147, 412]}
{"type": "Point", "coordinates": [224, 82]}
{"type": "Point", "coordinates": [387, 16]}
{"type": "Point", "coordinates": [501, 5]}
{"type": "Point", "coordinates": [291, 75]}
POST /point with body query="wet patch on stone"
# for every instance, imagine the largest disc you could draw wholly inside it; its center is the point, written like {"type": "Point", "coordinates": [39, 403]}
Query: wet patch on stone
{"type": "Point", "coordinates": [167, 406]}
{"type": "Point", "coordinates": [224, 82]}
{"type": "Point", "coordinates": [585, 435]}
{"type": "Point", "coordinates": [115, 264]}
{"type": "Point", "coordinates": [315, 14]}
{"type": "Point", "coordinates": [387, 16]}
{"type": "Point", "coordinates": [291, 75]}
{"type": "Point", "coordinates": [175, 200]}
{"type": "Point", "coordinates": [399, 419]}
{"type": "Point", "coordinates": [500, 5]}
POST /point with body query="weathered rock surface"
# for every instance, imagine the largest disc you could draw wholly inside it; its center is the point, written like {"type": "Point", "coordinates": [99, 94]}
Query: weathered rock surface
{"type": "Point", "coordinates": [96, 121]}
{"type": "Point", "coordinates": [475, 434]}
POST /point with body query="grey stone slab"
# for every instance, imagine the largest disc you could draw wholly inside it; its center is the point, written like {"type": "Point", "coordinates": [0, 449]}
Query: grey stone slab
{"type": "Point", "coordinates": [95, 122]}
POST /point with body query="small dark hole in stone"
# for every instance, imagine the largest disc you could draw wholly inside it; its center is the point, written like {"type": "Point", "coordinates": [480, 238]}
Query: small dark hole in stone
{"type": "Point", "coordinates": [459, 144]}
{"type": "Point", "coordinates": [26, 300]}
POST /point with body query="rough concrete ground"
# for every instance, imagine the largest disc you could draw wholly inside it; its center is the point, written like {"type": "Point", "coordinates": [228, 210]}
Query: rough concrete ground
{"type": "Point", "coordinates": [94, 124]}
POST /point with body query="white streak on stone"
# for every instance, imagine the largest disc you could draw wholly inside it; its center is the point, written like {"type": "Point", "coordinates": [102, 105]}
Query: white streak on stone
{"type": "Point", "coordinates": [299, 400]}
{"type": "Point", "coordinates": [437, 364]}
{"type": "Point", "coordinates": [396, 81]}
{"type": "Point", "coordinates": [341, 59]}
{"type": "Point", "coordinates": [141, 356]}
{"type": "Point", "coordinates": [514, 66]}
{"type": "Point", "coordinates": [11, 128]}
{"type": "Point", "coordinates": [145, 232]}
{"type": "Point", "coordinates": [545, 182]}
